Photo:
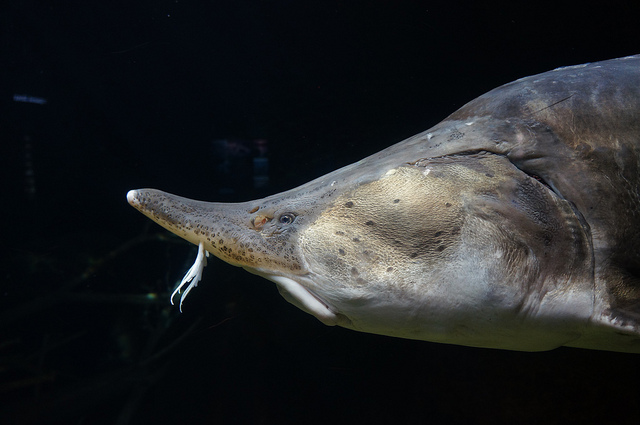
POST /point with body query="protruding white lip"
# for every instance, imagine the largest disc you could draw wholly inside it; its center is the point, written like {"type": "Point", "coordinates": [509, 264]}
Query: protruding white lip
{"type": "Point", "coordinates": [304, 299]}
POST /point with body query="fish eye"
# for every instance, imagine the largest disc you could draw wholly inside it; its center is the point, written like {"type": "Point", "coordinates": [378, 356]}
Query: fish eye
{"type": "Point", "coordinates": [287, 218]}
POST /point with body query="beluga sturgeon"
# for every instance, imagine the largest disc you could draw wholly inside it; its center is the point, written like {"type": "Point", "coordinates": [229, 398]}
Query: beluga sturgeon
{"type": "Point", "coordinates": [514, 223]}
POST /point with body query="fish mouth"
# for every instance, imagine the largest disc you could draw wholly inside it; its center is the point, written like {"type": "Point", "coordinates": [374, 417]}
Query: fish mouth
{"type": "Point", "coordinates": [303, 298]}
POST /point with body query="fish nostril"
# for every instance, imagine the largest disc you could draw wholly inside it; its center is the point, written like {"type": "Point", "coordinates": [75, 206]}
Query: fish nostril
{"type": "Point", "coordinates": [260, 221]}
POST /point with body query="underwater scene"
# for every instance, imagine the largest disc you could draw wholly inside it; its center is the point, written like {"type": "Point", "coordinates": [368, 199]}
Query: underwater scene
{"type": "Point", "coordinates": [236, 101]}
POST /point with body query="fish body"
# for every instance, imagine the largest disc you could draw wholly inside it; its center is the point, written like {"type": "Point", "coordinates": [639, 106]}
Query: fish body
{"type": "Point", "coordinates": [514, 223]}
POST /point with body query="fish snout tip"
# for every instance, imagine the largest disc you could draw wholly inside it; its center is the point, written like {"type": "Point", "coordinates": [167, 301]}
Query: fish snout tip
{"type": "Point", "coordinates": [132, 197]}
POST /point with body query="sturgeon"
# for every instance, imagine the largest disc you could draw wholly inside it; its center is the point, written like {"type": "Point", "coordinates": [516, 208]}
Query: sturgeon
{"type": "Point", "coordinates": [513, 224]}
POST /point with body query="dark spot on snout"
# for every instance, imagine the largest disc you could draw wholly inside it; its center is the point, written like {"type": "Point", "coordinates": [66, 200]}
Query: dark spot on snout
{"type": "Point", "coordinates": [348, 204]}
{"type": "Point", "coordinates": [341, 251]}
{"type": "Point", "coordinates": [489, 175]}
{"type": "Point", "coordinates": [437, 234]}
{"type": "Point", "coordinates": [447, 205]}
{"type": "Point", "coordinates": [395, 201]}
{"type": "Point", "coordinates": [441, 248]}
{"type": "Point", "coordinates": [413, 255]}
{"type": "Point", "coordinates": [370, 223]}
{"type": "Point", "coordinates": [389, 269]}
{"type": "Point", "coordinates": [455, 135]}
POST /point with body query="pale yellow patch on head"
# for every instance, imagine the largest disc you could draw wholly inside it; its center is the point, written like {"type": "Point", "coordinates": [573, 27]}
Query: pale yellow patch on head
{"type": "Point", "coordinates": [372, 232]}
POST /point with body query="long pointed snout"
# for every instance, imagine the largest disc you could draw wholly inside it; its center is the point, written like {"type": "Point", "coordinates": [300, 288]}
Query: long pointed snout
{"type": "Point", "coordinates": [239, 233]}
{"type": "Point", "coordinates": [219, 227]}
{"type": "Point", "coordinates": [182, 216]}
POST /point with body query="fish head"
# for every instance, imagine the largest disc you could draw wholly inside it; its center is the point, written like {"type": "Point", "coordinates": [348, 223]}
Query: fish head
{"type": "Point", "coordinates": [425, 250]}
{"type": "Point", "coordinates": [261, 236]}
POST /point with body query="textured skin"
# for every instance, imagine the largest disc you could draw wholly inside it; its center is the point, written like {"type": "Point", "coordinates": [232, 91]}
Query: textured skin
{"type": "Point", "coordinates": [583, 138]}
{"type": "Point", "coordinates": [514, 223]}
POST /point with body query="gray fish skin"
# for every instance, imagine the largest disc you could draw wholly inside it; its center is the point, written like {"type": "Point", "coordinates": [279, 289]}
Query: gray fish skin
{"type": "Point", "coordinates": [513, 224]}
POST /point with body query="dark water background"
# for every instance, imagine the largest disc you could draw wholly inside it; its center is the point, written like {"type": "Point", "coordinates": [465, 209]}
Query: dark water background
{"type": "Point", "coordinates": [174, 95]}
